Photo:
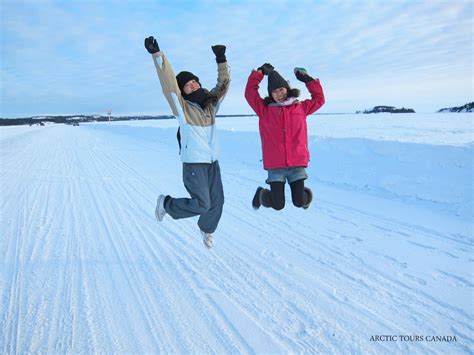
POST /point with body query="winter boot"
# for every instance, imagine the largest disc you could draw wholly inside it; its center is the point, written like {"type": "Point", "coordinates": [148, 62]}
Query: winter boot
{"type": "Point", "coordinates": [256, 199]}
{"type": "Point", "coordinates": [160, 208]}
{"type": "Point", "coordinates": [207, 239]}
{"type": "Point", "coordinates": [309, 197]}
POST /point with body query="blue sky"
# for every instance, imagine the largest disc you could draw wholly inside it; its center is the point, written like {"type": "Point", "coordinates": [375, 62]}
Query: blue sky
{"type": "Point", "coordinates": [83, 57]}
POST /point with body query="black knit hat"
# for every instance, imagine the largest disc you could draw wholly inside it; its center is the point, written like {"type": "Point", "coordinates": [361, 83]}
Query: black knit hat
{"type": "Point", "coordinates": [275, 81]}
{"type": "Point", "coordinates": [183, 77]}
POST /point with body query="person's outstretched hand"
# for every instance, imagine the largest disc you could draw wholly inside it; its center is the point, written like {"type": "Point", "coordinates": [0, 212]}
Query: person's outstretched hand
{"type": "Point", "coordinates": [302, 75]}
{"type": "Point", "coordinates": [266, 68]}
{"type": "Point", "coordinates": [151, 45]}
{"type": "Point", "coordinates": [219, 51]}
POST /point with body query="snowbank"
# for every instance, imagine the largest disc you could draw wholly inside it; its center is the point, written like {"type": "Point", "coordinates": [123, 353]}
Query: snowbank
{"type": "Point", "coordinates": [435, 175]}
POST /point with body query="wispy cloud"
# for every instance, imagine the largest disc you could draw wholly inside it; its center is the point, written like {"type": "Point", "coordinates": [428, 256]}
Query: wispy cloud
{"type": "Point", "coordinates": [85, 56]}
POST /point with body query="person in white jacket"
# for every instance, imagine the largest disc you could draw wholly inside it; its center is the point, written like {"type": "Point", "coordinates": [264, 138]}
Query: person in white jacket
{"type": "Point", "coordinates": [195, 108]}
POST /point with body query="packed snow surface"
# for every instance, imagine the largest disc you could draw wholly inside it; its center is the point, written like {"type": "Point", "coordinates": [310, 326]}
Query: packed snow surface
{"type": "Point", "coordinates": [386, 249]}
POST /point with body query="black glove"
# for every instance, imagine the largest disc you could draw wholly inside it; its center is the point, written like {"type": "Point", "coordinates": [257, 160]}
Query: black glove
{"type": "Point", "coordinates": [151, 45]}
{"type": "Point", "coordinates": [266, 68]}
{"type": "Point", "coordinates": [219, 51]}
{"type": "Point", "coordinates": [302, 75]}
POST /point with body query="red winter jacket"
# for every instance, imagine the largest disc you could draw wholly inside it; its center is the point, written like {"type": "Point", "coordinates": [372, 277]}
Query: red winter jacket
{"type": "Point", "coordinates": [283, 129]}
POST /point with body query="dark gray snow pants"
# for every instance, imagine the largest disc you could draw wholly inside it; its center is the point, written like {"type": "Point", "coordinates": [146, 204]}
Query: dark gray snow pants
{"type": "Point", "coordinates": [204, 184]}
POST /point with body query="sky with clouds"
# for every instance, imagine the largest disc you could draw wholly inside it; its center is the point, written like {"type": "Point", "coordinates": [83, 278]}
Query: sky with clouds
{"type": "Point", "coordinates": [85, 56]}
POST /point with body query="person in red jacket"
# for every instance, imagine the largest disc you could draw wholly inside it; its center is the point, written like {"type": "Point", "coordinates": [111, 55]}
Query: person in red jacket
{"type": "Point", "coordinates": [284, 134]}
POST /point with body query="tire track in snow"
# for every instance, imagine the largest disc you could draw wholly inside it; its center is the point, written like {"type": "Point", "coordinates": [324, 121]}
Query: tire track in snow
{"type": "Point", "coordinates": [99, 164]}
{"type": "Point", "coordinates": [108, 231]}
{"type": "Point", "coordinates": [13, 241]}
{"type": "Point", "coordinates": [12, 323]}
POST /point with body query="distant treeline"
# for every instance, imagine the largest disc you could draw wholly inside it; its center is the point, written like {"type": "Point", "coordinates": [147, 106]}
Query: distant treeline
{"type": "Point", "coordinates": [73, 119]}
{"type": "Point", "coordinates": [76, 119]}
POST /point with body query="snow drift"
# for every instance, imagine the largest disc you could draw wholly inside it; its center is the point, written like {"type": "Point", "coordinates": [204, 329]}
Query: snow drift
{"type": "Point", "coordinates": [439, 176]}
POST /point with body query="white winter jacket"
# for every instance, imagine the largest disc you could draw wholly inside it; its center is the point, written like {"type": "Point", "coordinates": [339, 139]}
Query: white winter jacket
{"type": "Point", "coordinates": [199, 142]}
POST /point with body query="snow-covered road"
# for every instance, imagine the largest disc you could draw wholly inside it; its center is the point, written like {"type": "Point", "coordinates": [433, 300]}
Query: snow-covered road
{"type": "Point", "coordinates": [86, 267]}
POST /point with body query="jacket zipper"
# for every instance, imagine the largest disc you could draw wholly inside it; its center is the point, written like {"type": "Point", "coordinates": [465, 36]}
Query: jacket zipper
{"type": "Point", "coordinates": [284, 135]}
{"type": "Point", "coordinates": [209, 116]}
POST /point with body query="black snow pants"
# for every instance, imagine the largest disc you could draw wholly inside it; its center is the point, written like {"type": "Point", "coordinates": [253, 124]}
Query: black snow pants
{"type": "Point", "coordinates": [275, 198]}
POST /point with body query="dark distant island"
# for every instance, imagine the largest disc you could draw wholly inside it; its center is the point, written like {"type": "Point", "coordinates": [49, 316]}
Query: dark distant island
{"type": "Point", "coordinates": [466, 108]}
{"type": "Point", "coordinates": [390, 109]}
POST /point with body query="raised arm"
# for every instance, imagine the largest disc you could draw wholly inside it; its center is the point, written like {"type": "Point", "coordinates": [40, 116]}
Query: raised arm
{"type": "Point", "coordinates": [166, 76]}
{"type": "Point", "coordinates": [315, 89]}
{"type": "Point", "coordinates": [223, 74]}
{"type": "Point", "coordinates": [251, 90]}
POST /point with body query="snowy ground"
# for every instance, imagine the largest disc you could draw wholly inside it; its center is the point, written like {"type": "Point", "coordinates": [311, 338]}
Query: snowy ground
{"type": "Point", "coordinates": [385, 249]}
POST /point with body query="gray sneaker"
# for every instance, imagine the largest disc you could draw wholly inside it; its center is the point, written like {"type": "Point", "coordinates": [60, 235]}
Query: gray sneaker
{"type": "Point", "coordinates": [207, 239]}
{"type": "Point", "coordinates": [160, 208]}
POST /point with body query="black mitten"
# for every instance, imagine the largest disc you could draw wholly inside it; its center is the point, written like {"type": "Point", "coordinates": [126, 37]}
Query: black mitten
{"type": "Point", "coordinates": [266, 68]}
{"type": "Point", "coordinates": [151, 45]}
{"type": "Point", "coordinates": [219, 51]}
{"type": "Point", "coordinates": [302, 75]}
